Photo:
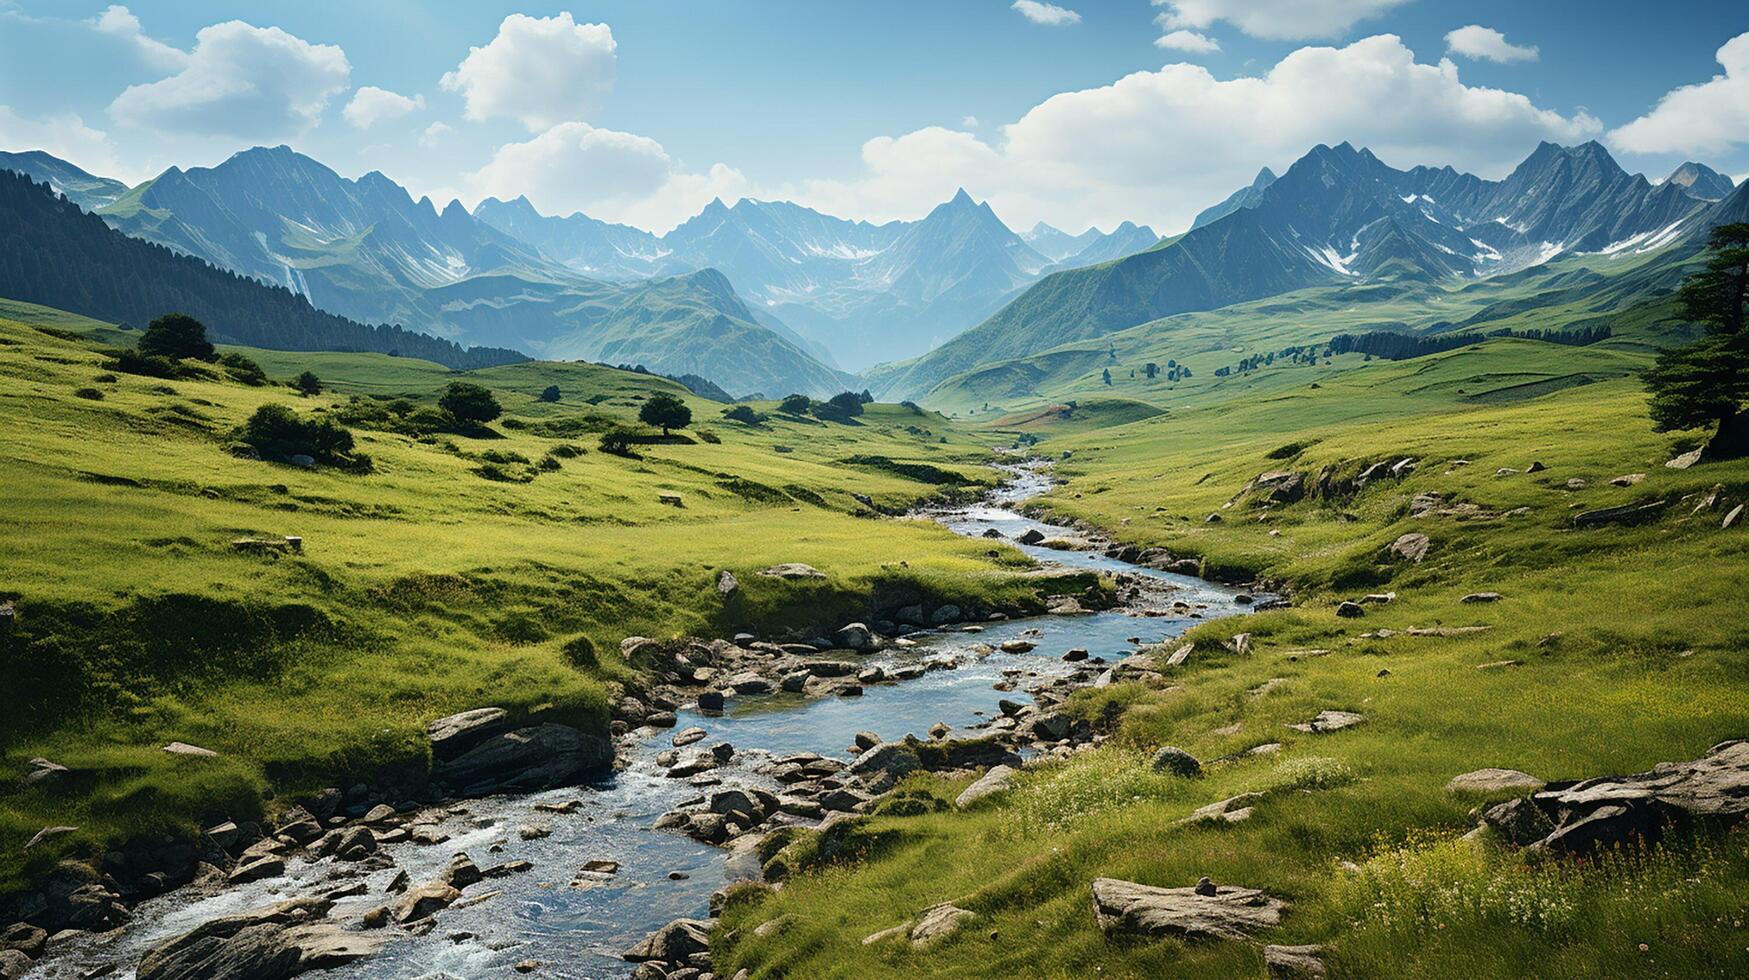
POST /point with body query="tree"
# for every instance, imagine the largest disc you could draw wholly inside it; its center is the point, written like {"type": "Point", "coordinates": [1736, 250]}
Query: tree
{"type": "Point", "coordinates": [618, 442]}
{"type": "Point", "coordinates": [743, 413]}
{"type": "Point", "coordinates": [1106, 375]}
{"type": "Point", "coordinates": [276, 433]}
{"type": "Point", "coordinates": [307, 384]}
{"type": "Point", "coordinates": [176, 336]}
{"type": "Point", "coordinates": [666, 411]}
{"type": "Point", "coordinates": [1150, 369]}
{"type": "Point", "coordinates": [1706, 383]}
{"type": "Point", "coordinates": [551, 394]}
{"type": "Point", "coordinates": [469, 403]}
{"type": "Point", "coordinates": [795, 404]}
{"type": "Point", "coordinates": [846, 403]}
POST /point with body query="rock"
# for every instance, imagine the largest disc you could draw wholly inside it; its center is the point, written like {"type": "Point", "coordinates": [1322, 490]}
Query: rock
{"type": "Point", "coordinates": [529, 966]}
{"type": "Point", "coordinates": [185, 749]}
{"type": "Point", "coordinates": [1625, 514]}
{"type": "Point", "coordinates": [13, 964]}
{"type": "Point", "coordinates": [26, 938]}
{"type": "Point", "coordinates": [1518, 822]}
{"type": "Point", "coordinates": [1482, 597]}
{"type": "Point", "coordinates": [1410, 547]}
{"type": "Point", "coordinates": [999, 779]}
{"type": "Point", "coordinates": [1494, 781]}
{"type": "Point", "coordinates": [1031, 535]}
{"type": "Point", "coordinates": [1329, 721]}
{"type": "Point", "coordinates": [425, 901]}
{"type": "Point", "coordinates": [1241, 643]}
{"type": "Point", "coordinates": [263, 867]}
{"type": "Point", "coordinates": [452, 735]}
{"type": "Point", "coordinates": [48, 834]}
{"type": "Point", "coordinates": [894, 758]}
{"type": "Point", "coordinates": [842, 801]}
{"type": "Point", "coordinates": [866, 740]}
{"type": "Point", "coordinates": [675, 942]}
{"type": "Point", "coordinates": [853, 636]}
{"type": "Point", "coordinates": [1075, 656]}
{"type": "Point", "coordinates": [1212, 519]}
{"type": "Point", "coordinates": [44, 773]}
{"type": "Point", "coordinates": [1710, 792]}
{"type": "Point", "coordinates": [687, 736]}
{"type": "Point", "coordinates": [1170, 758]}
{"type": "Point", "coordinates": [1233, 809]}
{"type": "Point", "coordinates": [1128, 908]}
{"type": "Point", "coordinates": [939, 730]}
{"type": "Point", "coordinates": [1731, 518]}
{"type": "Point", "coordinates": [1297, 962]}
{"type": "Point", "coordinates": [748, 682]}
{"type": "Point", "coordinates": [601, 866]}
{"type": "Point", "coordinates": [542, 757]}
{"type": "Point", "coordinates": [271, 943]}
{"type": "Point", "coordinates": [426, 834]}
{"type": "Point", "coordinates": [534, 831]}
{"type": "Point", "coordinates": [938, 922]}
{"type": "Point", "coordinates": [379, 813]}
{"type": "Point", "coordinates": [727, 584]}
{"type": "Point", "coordinates": [1350, 610]}
{"type": "Point", "coordinates": [792, 571]}
{"type": "Point", "coordinates": [710, 701]}
{"type": "Point", "coordinates": [661, 719]}
{"type": "Point", "coordinates": [1536, 466]}
{"type": "Point", "coordinates": [1627, 480]}
{"type": "Point", "coordinates": [462, 872]}
{"type": "Point", "coordinates": [1685, 460]}
{"type": "Point", "coordinates": [1017, 646]}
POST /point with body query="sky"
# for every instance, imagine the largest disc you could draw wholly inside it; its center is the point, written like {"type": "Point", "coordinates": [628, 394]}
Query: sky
{"type": "Point", "coordinates": [1075, 113]}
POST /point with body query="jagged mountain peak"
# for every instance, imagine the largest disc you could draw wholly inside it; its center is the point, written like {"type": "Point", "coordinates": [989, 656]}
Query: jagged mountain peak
{"type": "Point", "coordinates": [1701, 181]}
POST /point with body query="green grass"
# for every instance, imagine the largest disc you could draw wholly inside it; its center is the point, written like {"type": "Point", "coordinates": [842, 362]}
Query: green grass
{"type": "Point", "coordinates": [1634, 650]}
{"type": "Point", "coordinates": [424, 587]}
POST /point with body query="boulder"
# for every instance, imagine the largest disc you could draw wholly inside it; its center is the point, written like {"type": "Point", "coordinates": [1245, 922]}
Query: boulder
{"type": "Point", "coordinates": [938, 922]}
{"type": "Point", "coordinates": [1494, 781]}
{"type": "Point", "coordinates": [13, 964]}
{"type": "Point", "coordinates": [1518, 822]}
{"type": "Point", "coordinates": [1410, 547]}
{"type": "Point", "coordinates": [727, 584]}
{"type": "Point", "coordinates": [270, 943]}
{"type": "Point", "coordinates": [1031, 535]}
{"type": "Point", "coordinates": [675, 942]}
{"type": "Point", "coordinates": [1296, 962]}
{"type": "Point", "coordinates": [1350, 610]}
{"type": "Point", "coordinates": [542, 757]}
{"type": "Point", "coordinates": [1233, 809]}
{"type": "Point", "coordinates": [425, 901]}
{"type": "Point", "coordinates": [48, 834]}
{"type": "Point", "coordinates": [687, 736]}
{"type": "Point", "coordinates": [1711, 792]}
{"type": "Point", "coordinates": [1127, 908]}
{"type": "Point", "coordinates": [897, 759]}
{"type": "Point", "coordinates": [1625, 514]}
{"type": "Point", "coordinates": [1170, 758]}
{"type": "Point", "coordinates": [1475, 597]}
{"type": "Point", "coordinates": [44, 773]}
{"type": "Point", "coordinates": [793, 570]}
{"type": "Point", "coordinates": [853, 636]}
{"type": "Point", "coordinates": [999, 779]}
{"type": "Point", "coordinates": [262, 867]}
{"type": "Point", "coordinates": [452, 735]}
{"type": "Point", "coordinates": [749, 682]}
{"type": "Point", "coordinates": [26, 938]}
{"type": "Point", "coordinates": [1329, 721]}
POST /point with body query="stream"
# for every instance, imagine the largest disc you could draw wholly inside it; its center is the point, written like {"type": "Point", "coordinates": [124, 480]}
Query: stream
{"type": "Point", "coordinates": [579, 931]}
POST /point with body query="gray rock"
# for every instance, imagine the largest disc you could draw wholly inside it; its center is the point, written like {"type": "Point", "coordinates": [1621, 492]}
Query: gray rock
{"type": "Point", "coordinates": [853, 636]}
{"type": "Point", "coordinates": [894, 758]}
{"type": "Point", "coordinates": [727, 584]}
{"type": "Point", "coordinates": [1350, 610]}
{"type": "Point", "coordinates": [425, 901]}
{"type": "Point", "coordinates": [1170, 758]}
{"type": "Point", "coordinates": [1518, 822]}
{"type": "Point", "coordinates": [1127, 908]}
{"type": "Point", "coordinates": [271, 943]}
{"type": "Point", "coordinates": [938, 922]}
{"type": "Point", "coordinates": [687, 736]}
{"type": "Point", "coordinates": [675, 942]}
{"type": "Point", "coordinates": [542, 757]}
{"type": "Point", "coordinates": [452, 735]}
{"type": "Point", "coordinates": [26, 938]}
{"type": "Point", "coordinates": [793, 570]}
{"type": "Point", "coordinates": [1711, 792]}
{"type": "Point", "coordinates": [748, 682]}
{"type": "Point", "coordinates": [45, 773]}
{"type": "Point", "coordinates": [1295, 962]}
{"type": "Point", "coordinates": [999, 779]}
{"type": "Point", "coordinates": [47, 834]}
{"type": "Point", "coordinates": [1474, 597]}
{"type": "Point", "coordinates": [1625, 514]}
{"type": "Point", "coordinates": [187, 750]}
{"type": "Point", "coordinates": [264, 867]}
{"type": "Point", "coordinates": [1410, 547]}
{"type": "Point", "coordinates": [1329, 721]}
{"type": "Point", "coordinates": [1494, 781]}
{"type": "Point", "coordinates": [1031, 535]}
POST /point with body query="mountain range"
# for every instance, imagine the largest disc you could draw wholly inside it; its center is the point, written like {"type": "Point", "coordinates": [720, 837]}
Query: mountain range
{"type": "Point", "coordinates": [1339, 215]}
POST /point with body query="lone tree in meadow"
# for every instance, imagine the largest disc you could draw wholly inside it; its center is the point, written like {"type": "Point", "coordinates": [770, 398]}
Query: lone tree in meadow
{"type": "Point", "coordinates": [307, 384]}
{"type": "Point", "coordinates": [1706, 383]}
{"type": "Point", "coordinates": [666, 411]}
{"type": "Point", "coordinates": [551, 394]}
{"type": "Point", "coordinates": [469, 403]}
{"type": "Point", "coordinates": [176, 336]}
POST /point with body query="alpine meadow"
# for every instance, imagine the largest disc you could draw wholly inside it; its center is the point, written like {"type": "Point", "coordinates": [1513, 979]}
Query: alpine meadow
{"type": "Point", "coordinates": [694, 491]}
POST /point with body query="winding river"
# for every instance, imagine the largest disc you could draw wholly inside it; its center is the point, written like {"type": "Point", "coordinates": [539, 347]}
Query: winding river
{"type": "Point", "coordinates": [579, 931]}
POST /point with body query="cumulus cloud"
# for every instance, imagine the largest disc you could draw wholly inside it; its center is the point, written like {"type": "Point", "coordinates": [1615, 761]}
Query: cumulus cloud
{"type": "Point", "coordinates": [371, 105]}
{"type": "Point", "coordinates": [436, 133]}
{"type": "Point", "coordinates": [1709, 117]}
{"type": "Point", "coordinates": [969, 122]}
{"type": "Point", "coordinates": [65, 136]}
{"type": "Point", "coordinates": [540, 71]}
{"type": "Point", "coordinates": [1476, 41]}
{"type": "Point", "coordinates": [1048, 14]}
{"type": "Point", "coordinates": [119, 22]}
{"type": "Point", "coordinates": [1187, 41]}
{"type": "Point", "coordinates": [1158, 146]}
{"type": "Point", "coordinates": [605, 174]}
{"type": "Point", "coordinates": [242, 82]}
{"type": "Point", "coordinates": [1275, 20]}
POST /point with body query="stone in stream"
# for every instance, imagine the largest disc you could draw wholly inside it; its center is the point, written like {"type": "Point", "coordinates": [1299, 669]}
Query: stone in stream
{"type": "Point", "coordinates": [1031, 535]}
{"type": "Point", "coordinates": [424, 901]}
{"type": "Point", "coordinates": [853, 636]}
{"type": "Point", "coordinates": [542, 757]}
{"type": "Point", "coordinates": [1127, 908]}
{"type": "Point", "coordinates": [271, 943]}
{"type": "Point", "coordinates": [675, 942]}
{"type": "Point", "coordinates": [687, 736]}
{"type": "Point", "coordinates": [1017, 646]}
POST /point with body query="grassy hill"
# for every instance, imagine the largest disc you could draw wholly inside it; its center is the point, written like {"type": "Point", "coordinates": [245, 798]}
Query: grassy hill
{"type": "Point", "coordinates": [452, 575]}
{"type": "Point", "coordinates": [1611, 649]}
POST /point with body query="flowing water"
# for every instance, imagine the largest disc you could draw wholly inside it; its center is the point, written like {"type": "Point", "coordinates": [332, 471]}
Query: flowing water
{"type": "Point", "coordinates": [579, 929]}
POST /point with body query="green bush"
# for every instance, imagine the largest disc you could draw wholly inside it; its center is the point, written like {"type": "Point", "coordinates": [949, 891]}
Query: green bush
{"type": "Point", "coordinates": [618, 442]}
{"type": "Point", "coordinates": [744, 414]}
{"type": "Point", "coordinates": [551, 394]}
{"type": "Point", "coordinates": [276, 433]}
{"type": "Point", "coordinates": [243, 369]}
{"type": "Point", "coordinates": [795, 404]}
{"type": "Point", "coordinates": [91, 393]}
{"type": "Point", "coordinates": [308, 384]}
{"type": "Point", "coordinates": [176, 336]}
{"type": "Point", "coordinates": [469, 403]}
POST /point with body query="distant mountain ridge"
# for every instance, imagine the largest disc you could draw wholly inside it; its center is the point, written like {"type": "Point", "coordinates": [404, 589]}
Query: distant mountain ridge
{"type": "Point", "coordinates": [1337, 215]}
{"type": "Point", "coordinates": [81, 188]}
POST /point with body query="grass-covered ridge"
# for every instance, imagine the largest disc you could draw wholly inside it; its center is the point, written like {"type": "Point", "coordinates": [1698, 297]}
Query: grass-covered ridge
{"type": "Point", "coordinates": [1612, 649]}
{"type": "Point", "coordinates": [451, 575]}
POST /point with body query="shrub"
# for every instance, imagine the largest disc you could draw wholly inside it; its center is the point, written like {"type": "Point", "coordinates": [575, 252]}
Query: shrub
{"type": "Point", "coordinates": [275, 432]}
{"type": "Point", "coordinates": [145, 365]}
{"type": "Point", "coordinates": [565, 450]}
{"type": "Point", "coordinates": [709, 436]}
{"type": "Point", "coordinates": [243, 369]}
{"type": "Point", "coordinates": [176, 336]}
{"type": "Point", "coordinates": [106, 379]}
{"type": "Point", "coordinates": [844, 405]}
{"type": "Point", "coordinates": [91, 393]}
{"type": "Point", "coordinates": [744, 414]}
{"type": "Point", "coordinates": [470, 403]}
{"type": "Point", "coordinates": [580, 653]}
{"type": "Point", "coordinates": [551, 394]}
{"type": "Point", "coordinates": [618, 442]}
{"type": "Point", "coordinates": [308, 384]}
{"type": "Point", "coordinates": [795, 404]}
{"type": "Point", "coordinates": [665, 410]}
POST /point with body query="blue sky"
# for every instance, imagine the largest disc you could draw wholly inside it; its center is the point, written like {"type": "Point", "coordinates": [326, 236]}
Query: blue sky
{"type": "Point", "coordinates": [1071, 112]}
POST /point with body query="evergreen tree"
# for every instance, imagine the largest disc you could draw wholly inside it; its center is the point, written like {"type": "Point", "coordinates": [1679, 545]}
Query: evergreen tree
{"type": "Point", "coordinates": [1706, 383]}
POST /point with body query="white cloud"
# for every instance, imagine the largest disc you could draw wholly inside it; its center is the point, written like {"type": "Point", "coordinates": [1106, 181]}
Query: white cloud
{"type": "Point", "coordinates": [119, 22]}
{"type": "Point", "coordinates": [1157, 146]}
{"type": "Point", "coordinates": [1476, 41]}
{"type": "Point", "coordinates": [1048, 14]}
{"type": "Point", "coordinates": [436, 133]}
{"type": "Point", "coordinates": [969, 122]}
{"type": "Point", "coordinates": [539, 70]}
{"type": "Point", "coordinates": [242, 82]}
{"type": "Point", "coordinates": [1275, 20]}
{"type": "Point", "coordinates": [371, 105]}
{"type": "Point", "coordinates": [605, 174]}
{"type": "Point", "coordinates": [1709, 117]}
{"type": "Point", "coordinates": [65, 136]}
{"type": "Point", "coordinates": [1188, 41]}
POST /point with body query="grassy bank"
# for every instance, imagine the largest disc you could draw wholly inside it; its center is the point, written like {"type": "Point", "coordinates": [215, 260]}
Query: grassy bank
{"type": "Point", "coordinates": [454, 574]}
{"type": "Point", "coordinates": [1611, 649]}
